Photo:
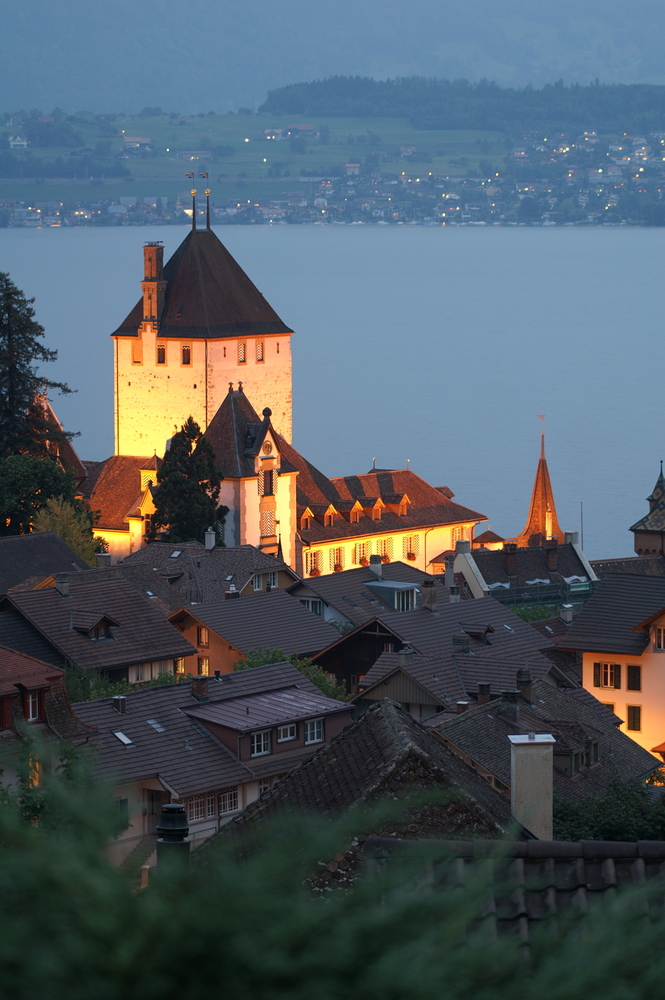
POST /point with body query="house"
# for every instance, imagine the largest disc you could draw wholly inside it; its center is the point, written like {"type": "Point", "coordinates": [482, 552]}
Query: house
{"type": "Point", "coordinates": [472, 632]}
{"type": "Point", "coordinates": [18, 142]}
{"type": "Point", "coordinates": [36, 557]}
{"type": "Point", "coordinates": [225, 632]}
{"type": "Point", "coordinates": [33, 697]}
{"type": "Point", "coordinates": [102, 625]}
{"type": "Point", "coordinates": [215, 746]}
{"type": "Point", "coordinates": [119, 492]}
{"type": "Point", "coordinates": [620, 637]}
{"type": "Point", "coordinates": [384, 755]}
{"type": "Point", "coordinates": [590, 752]}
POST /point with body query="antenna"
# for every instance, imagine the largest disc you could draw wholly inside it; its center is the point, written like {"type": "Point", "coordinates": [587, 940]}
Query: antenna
{"type": "Point", "coordinates": [541, 416]}
{"type": "Point", "coordinates": [205, 177]}
{"type": "Point", "coordinates": [193, 204]}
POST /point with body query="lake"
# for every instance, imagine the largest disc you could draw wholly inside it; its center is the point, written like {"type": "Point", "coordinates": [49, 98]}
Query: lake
{"type": "Point", "coordinates": [437, 347]}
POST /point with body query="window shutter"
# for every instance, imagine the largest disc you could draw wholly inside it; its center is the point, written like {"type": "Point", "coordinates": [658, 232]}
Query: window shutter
{"type": "Point", "coordinates": [617, 675]}
{"type": "Point", "coordinates": [596, 675]}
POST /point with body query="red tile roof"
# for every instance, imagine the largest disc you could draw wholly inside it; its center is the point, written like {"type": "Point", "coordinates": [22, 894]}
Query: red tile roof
{"type": "Point", "coordinates": [18, 669]}
{"type": "Point", "coordinates": [117, 489]}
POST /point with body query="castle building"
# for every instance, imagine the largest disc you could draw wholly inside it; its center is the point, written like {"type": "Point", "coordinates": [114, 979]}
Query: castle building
{"type": "Point", "coordinates": [649, 531]}
{"type": "Point", "coordinates": [542, 524]}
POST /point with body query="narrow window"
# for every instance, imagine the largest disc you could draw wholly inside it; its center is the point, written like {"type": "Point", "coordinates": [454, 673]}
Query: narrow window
{"type": "Point", "coordinates": [259, 351]}
{"type": "Point", "coordinates": [161, 354]}
{"type": "Point", "coordinates": [264, 785]}
{"type": "Point", "coordinates": [196, 807]}
{"type": "Point", "coordinates": [314, 731]}
{"type": "Point", "coordinates": [211, 805]}
{"type": "Point", "coordinates": [228, 800]}
{"type": "Point", "coordinates": [33, 706]}
{"type": "Point", "coordinates": [260, 743]}
{"type": "Point", "coordinates": [203, 666]}
{"type": "Point", "coordinates": [660, 638]}
{"type": "Point", "coordinates": [242, 353]}
{"type": "Point", "coordinates": [267, 523]}
{"type": "Point", "coordinates": [271, 582]}
{"type": "Point", "coordinates": [634, 678]}
{"type": "Point", "coordinates": [186, 355]}
{"type": "Point", "coordinates": [278, 347]}
{"type": "Point", "coordinates": [257, 581]}
{"type": "Point", "coordinates": [336, 556]}
{"type": "Point", "coordinates": [202, 636]}
{"type": "Point", "coordinates": [313, 562]}
{"type": "Point", "coordinates": [634, 718]}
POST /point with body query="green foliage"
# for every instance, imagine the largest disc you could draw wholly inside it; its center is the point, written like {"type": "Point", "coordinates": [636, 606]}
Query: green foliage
{"type": "Point", "coordinates": [24, 426]}
{"type": "Point", "coordinates": [71, 523]}
{"type": "Point", "coordinates": [627, 812]}
{"type": "Point", "coordinates": [87, 685]}
{"type": "Point", "coordinates": [188, 487]}
{"type": "Point", "coordinates": [534, 613]}
{"type": "Point", "coordinates": [27, 484]}
{"type": "Point", "coordinates": [261, 657]}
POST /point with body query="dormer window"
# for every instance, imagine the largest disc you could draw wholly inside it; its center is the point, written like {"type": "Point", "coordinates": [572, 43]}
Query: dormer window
{"type": "Point", "coordinates": [306, 522]}
{"type": "Point", "coordinates": [328, 520]}
{"type": "Point", "coordinates": [354, 517]}
{"type": "Point", "coordinates": [33, 706]}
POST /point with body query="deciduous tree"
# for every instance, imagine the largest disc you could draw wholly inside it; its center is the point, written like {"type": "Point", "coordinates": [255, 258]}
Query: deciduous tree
{"type": "Point", "coordinates": [27, 483]}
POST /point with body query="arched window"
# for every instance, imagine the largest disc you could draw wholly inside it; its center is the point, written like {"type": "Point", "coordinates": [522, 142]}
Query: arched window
{"type": "Point", "coordinates": [186, 354]}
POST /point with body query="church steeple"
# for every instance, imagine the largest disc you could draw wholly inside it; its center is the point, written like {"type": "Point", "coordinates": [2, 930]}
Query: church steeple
{"type": "Point", "coordinates": [658, 491]}
{"type": "Point", "coordinates": [542, 523]}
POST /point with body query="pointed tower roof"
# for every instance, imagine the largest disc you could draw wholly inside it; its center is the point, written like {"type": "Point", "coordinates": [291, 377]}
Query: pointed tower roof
{"type": "Point", "coordinates": [208, 296]}
{"type": "Point", "coordinates": [236, 433]}
{"type": "Point", "coordinates": [542, 522]}
{"type": "Point", "coordinates": [659, 489]}
{"type": "Point", "coordinates": [654, 521]}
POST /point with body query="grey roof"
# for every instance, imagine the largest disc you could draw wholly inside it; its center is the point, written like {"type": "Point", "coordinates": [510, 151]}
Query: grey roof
{"type": "Point", "coordinates": [269, 709]}
{"type": "Point", "coordinates": [619, 604]}
{"type": "Point", "coordinates": [186, 756]}
{"type": "Point", "coordinates": [530, 564]}
{"type": "Point", "coordinates": [642, 565]}
{"type": "Point", "coordinates": [267, 621]}
{"type": "Point", "coordinates": [39, 554]}
{"type": "Point", "coordinates": [141, 634]}
{"type": "Point", "coordinates": [482, 731]}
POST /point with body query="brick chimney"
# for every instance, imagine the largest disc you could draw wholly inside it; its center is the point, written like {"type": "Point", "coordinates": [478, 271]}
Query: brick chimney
{"type": "Point", "coordinates": [376, 566]}
{"type": "Point", "coordinates": [510, 705]}
{"type": "Point", "coordinates": [153, 284]}
{"type": "Point", "coordinates": [483, 692]}
{"type": "Point", "coordinates": [200, 688]}
{"type": "Point", "coordinates": [531, 782]}
{"type": "Point", "coordinates": [428, 591]}
{"type": "Point", "coordinates": [510, 558]}
{"type": "Point", "coordinates": [551, 554]}
{"type": "Point", "coordinates": [405, 656]}
{"type": "Point", "coordinates": [524, 684]}
{"type": "Point", "coordinates": [462, 706]}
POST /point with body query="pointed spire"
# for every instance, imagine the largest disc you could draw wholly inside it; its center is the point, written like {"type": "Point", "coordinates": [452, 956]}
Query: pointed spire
{"type": "Point", "coordinates": [207, 194]}
{"type": "Point", "coordinates": [542, 522]}
{"type": "Point", "coordinates": [193, 210]}
{"type": "Point", "coordinates": [658, 491]}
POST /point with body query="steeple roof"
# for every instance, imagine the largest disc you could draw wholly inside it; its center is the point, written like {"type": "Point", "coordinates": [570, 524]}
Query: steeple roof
{"type": "Point", "coordinates": [236, 433]}
{"type": "Point", "coordinates": [208, 296]}
{"type": "Point", "coordinates": [659, 489]}
{"type": "Point", "coordinates": [655, 519]}
{"type": "Point", "coordinates": [542, 523]}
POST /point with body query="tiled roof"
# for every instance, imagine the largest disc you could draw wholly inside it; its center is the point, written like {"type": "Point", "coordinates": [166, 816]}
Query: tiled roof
{"type": "Point", "coordinates": [39, 554]}
{"type": "Point", "coordinates": [208, 295]}
{"type": "Point", "coordinates": [605, 623]}
{"type": "Point", "coordinates": [482, 732]}
{"type": "Point", "coordinates": [18, 668]}
{"type": "Point", "coordinates": [487, 537]}
{"type": "Point", "coordinates": [267, 709]}
{"type": "Point", "coordinates": [542, 522]}
{"type": "Point", "coordinates": [525, 885]}
{"type": "Point", "coordinates": [142, 634]}
{"type": "Point", "coordinates": [268, 621]}
{"type": "Point", "coordinates": [530, 564]}
{"type": "Point", "coordinates": [185, 754]}
{"type": "Point", "coordinates": [653, 521]}
{"type": "Point", "coordinates": [117, 489]}
{"type": "Point", "coordinates": [236, 433]}
{"type": "Point", "coordinates": [642, 565]}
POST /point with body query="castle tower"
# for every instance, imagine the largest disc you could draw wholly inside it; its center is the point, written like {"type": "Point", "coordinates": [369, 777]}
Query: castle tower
{"type": "Point", "coordinates": [649, 531]}
{"type": "Point", "coordinates": [200, 324]}
{"type": "Point", "coordinates": [542, 523]}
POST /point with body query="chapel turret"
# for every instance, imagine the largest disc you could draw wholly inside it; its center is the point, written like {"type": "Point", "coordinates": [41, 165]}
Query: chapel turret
{"type": "Point", "coordinates": [542, 523]}
{"type": "Point", "coordinates": [200, 324]}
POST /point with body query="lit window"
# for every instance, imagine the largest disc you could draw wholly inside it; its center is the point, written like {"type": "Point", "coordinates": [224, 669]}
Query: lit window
{"type": "Point", "coordinates": [634, 718]}
{"type": "Point", "coordinates": [259, 351]}
{"type": "Point", "coordinates": [267, 523]}
{"type": "Point", "coordinates": [410, 546]}
{"type": "Point", "coordinates": [285, 733]}
{"type": "Point", "coordinates": [186, 355]}
{"type": "Point", "coordinates": [161, 354]}
{"type": "Point", "coordinates": [228, 800]}
{"type": "Point", "coordinates": [314, 731]}
{"type": "Point", "coordinates": [203, 666]}
{"type": "Point", "coordinates": [202, 636]}
{"type": "Point", "coordinates": [242, 353]}
{"type": "Point", "coordinates": [260, 743]}
{"type": "Point", "coordinates": [257, 581]}
{"type": "Point", "coordinates": [33, 706]}
{"type": "Point", "coordinates": [180, 665]}
{"type": "Point", "coordinates": [336, 556]}
{"type": "Point", "coordinates": [313, 562]}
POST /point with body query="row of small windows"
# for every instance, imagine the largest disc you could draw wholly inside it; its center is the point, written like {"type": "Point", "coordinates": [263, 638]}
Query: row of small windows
{"type": "Point", "coordinates": [608, 675]}
{"type": "Point", "coordinates": [186, 353]}
{"type": "Point", "coordinates": [212, 804]}
{"type": "Point", "coordinates": [633, 716]}
{"type": "Point", "coordinates": [259, 352]}
{"type": "Point", "coordinates": [360, 553]}
{"type": "Point", "coordinates": [260, 743]}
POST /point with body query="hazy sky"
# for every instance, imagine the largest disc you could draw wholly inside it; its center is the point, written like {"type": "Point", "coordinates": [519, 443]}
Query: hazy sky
{"type": "Point", "coordinates": [120, 55]}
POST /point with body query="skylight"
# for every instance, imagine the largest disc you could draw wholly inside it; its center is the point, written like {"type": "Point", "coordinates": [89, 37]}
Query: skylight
{"type": "Point", "coordinates": [124, 739]}
{"type": "Point", "coordinates": [156, 725]}
{"type": "Point", "coordinates": [229, 577]}
{"type": "Point", "coordinates": [508, 628]}
{"type": "Point", "coordinates": [175, 554]}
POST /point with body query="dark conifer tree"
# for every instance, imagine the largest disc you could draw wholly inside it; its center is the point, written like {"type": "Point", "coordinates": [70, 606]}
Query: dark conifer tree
{"type": "Point", "coordinates": [188, 487]}
{"type": "Point", "coordinates": [25, 427]}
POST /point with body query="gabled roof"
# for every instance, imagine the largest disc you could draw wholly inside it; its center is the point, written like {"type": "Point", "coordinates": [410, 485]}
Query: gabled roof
{"type": "Point", "coordinates": [267, 709]}
{"type": "Point", "coordinates": [236, 433]}
{"type": "Point", "coordinates": [141, 635]}
{"type": "Point", "coordinates": [481, 732]}
{"type": "Point", "coordinates": [264, 621]}
{"type": "Point", "coordinates": [39, 555]}
{"type": "Point", "coordinates": [643, 565]}
{"type": "Point", "coordinates": [116, 491]}
{"type": "Point", "coordinates": [542, 522]}
{"type": "Point", "coordinates": [606, 622]}
{"type": "Point", "coordinates": [18, 669]}
{"type": "Point", "coordinates": [530, 563]}
{"type": "Point", "coordinates": [208, 296]}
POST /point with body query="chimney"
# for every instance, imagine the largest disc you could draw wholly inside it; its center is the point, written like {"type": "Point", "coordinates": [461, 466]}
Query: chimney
{"type": "Point", "coordinates": [462, 706]}
{"type": "Point", "coordinates": [62, 584]}
{"type": "Point", "coordinates": [462, 545]}
{"type": "Point", "coordinates": [376, 566]}
{"type": "Point", "coordinates": [119, 702]}
{"type": "Point", "coordinates": [153, 284]}
{"type": "Point", "coordinates": [483, 692]}
{"type": "Point", "coordinates": [571, 537]}
{"type": "Point", "coordinates": [405, 656]}
{"type": "Point", "coordinates": [102, 560]}
{"type": "Point", "coordinates": [510, 705]}
{"type": "Point", "coordinates": [566, 613]}
{"type": "Point", "coordinates": [153, 262]}
{"type": "Point", "coordinates": [531, 782]}
{"type": "Point", "coordinates": [210, 539]}
{"type": "Point", "coordinates": [461, 642]}
{"type": "Point", "coordinates": [524, 684]}
{"type": "Point", "coordinates": [454, 594]}
{"type": "Point", "coordinates": [173, 844]}
{"type": "Point", "coordinates": [449, 579]}
{"type": "Point", "coordinates": [231, 593]}
{"type": "Point", "coordinates": [428, 591]}
{"type": "Point", "coordinates": [200, 688]}
{"type": "Point", "coordinates": [510, 558]}
{"type": "Point", "coordinates": [551, 554]}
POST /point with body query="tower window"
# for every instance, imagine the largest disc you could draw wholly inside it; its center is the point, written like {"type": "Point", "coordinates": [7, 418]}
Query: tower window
{"type": "Point", "coordinates": [161, 354]}
{"type": "Point", "coordinates": [242, 353]}
{"type": "Point", "coordinates": [259, 351]}
{"type": "Point", "coordinates": [267, 523]}
{"type": "Point", "coordinates": [186, 355]}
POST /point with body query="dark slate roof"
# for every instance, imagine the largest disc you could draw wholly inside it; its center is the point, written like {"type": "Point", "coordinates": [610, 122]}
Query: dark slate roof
{"type": "Point", "coordinates": [360, 763]}
{"type": "Point", "coordinates": [269, 709]}
{"type": "Point", "coordinates": [208, 296]}
{"type": "Point", "coordinates": [236, 433]}
{"type": "Point", "coordinates": [17, 633]}
{"type": "Point", "coordinates": [530, 564]}
{"type": "Point", "coordinates": [117, 489]}
{"type": "Point", "coordinates": [185, 755]}
{"type": "Point", "coordinates": [636, 565]}
{"type": "Point", "coordinates": [653, 521]}
{"type": "Point", "coordinates": [40, 554]}
{"type": "Point", "coordinates": [605, 623]}
{"type": "Point", "coordinates": [142, 634]}
{"type": "Point", "coordinates": [267, 621]}
{"type": "Point", "coordinates": [482, 732]}
{"type": "Point", "coordinates": [527, 884]}
{"type": "Point", "coordinates": [349, 594]}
